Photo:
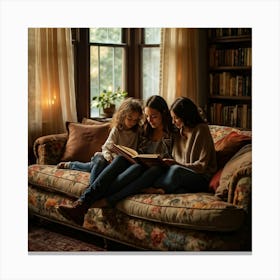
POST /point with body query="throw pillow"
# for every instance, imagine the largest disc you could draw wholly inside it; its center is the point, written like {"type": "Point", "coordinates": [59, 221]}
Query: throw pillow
{"type": "Point", "coordinates": [229, 145]}
{"type": "Point", "coordinates": [242, 160]}
{"type": "Point", "coordinates": [91, 121]}
{"type": "Point", "coordinates": [84, 140]}
{"type": "Point", "coordinates": [215, 181]}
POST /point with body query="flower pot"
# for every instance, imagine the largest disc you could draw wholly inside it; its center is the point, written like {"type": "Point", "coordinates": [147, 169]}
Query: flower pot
{"type": "Point", "coordinates": [108, 112]}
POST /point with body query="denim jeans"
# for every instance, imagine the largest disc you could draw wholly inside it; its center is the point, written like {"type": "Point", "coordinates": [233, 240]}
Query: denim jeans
{"type": "Point", "coordinates": [95, 166]}
{"type": "Point", "coordinates": [179, 179]}
{"type": "Point", "coordinates": [119, 173]}
{"type": "Point", "coordinates": [146, 178]}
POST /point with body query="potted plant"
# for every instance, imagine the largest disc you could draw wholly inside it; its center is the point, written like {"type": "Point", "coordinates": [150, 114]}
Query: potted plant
{"type": "Point", "coordinates": [107, 100]}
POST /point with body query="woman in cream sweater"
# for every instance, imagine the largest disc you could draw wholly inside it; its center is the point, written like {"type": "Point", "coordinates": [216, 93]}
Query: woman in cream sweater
{"type": "Point", "coordinates": [193, 152]}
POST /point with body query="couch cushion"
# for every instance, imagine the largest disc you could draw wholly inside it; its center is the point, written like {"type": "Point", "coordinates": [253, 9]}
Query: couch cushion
{"type": "Point", "coordinates": [241, 161]}
{"type": "Point", "coordinates": [199, 211]}
{"type": "Point", "coordinates": [48, 177]}
{"type": "Point", "coordinates": [84, 140]}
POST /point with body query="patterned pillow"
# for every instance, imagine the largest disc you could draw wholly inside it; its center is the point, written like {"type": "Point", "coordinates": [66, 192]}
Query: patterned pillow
{"type": "Point", "coordinates": [241, 163]}
{"type": "Point", "coordinates": [84, 140]}
{"type": "Point", "coordinates": [229, 145]}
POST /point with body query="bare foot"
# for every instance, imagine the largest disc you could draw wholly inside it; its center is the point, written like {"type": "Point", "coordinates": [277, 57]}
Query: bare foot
{"type": "Point", "coordinates": [153, 190]}
{"type": "Point", "coordinates": [63, 165]}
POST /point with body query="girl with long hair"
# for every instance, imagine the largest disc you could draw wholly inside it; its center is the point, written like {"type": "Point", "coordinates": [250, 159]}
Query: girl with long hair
{"type": "Point", "coordinates": [125, 130]}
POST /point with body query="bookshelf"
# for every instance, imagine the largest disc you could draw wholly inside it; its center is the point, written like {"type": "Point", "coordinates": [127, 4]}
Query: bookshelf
{"type": "Point", "coordinates": [230, 77]}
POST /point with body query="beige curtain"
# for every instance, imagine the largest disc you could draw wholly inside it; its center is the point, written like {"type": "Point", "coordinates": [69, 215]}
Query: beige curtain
{"type": "Point", "coordinates": [51, 89]}
{"type": "Point", "coordinates": [183, 62]}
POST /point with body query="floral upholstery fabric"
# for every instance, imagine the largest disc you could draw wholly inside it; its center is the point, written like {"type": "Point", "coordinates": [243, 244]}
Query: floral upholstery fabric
{"type": "Point", "coordinates": [156, 236]}
{"type": "Point", "coordinates": [218, 132]}
{"type": "Point", "coordinates": [200, 211]}
{"type": "Point", "coordinates": [139, 233]}
{"type": "Point", "coordinates": [49, 149]}
{"type": "Point", "coordinates": [70, 182]}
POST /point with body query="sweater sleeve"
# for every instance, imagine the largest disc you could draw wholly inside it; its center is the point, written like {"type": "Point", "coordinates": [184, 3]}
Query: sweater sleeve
{"type": "Point", "coordinates": [200, 155]}
{"type": "Point", "coordinates": [106, 148]}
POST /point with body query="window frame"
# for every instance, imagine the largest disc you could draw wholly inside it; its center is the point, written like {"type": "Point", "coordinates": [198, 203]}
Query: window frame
{"type": "Point", "coordinates": [124, 45]}
{"type": "Point", "coordinates": [133, 38]}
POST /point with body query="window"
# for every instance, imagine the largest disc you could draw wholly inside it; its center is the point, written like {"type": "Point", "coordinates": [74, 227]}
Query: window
{"type": "Point", "coordinates": [108, 58]}
{"type": "Point", "coordinates": [107, 62]}
{"type": "Point", "coordinates": [150, 62]}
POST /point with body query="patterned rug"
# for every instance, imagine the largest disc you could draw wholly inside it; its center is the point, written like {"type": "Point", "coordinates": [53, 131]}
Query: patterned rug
{"type": "Point", "coordinates": [42, 239]}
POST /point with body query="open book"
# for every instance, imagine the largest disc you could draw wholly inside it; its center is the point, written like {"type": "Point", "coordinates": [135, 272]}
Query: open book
{"type": "Point", "coordinates": [134, 157]}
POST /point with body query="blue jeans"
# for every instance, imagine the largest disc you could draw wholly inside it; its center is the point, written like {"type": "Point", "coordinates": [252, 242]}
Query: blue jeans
{"type": "Point", "coordinates": [119, 173]}
{"type": "Point", "coordinates": [95, 166]}
{"type": "Point", "coordinates": [179, 179]}
{"type": "Point", "coordinates": [146, 179]}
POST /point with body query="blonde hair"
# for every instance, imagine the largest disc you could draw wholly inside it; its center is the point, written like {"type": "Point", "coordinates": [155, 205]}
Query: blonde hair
{"type": "Point", "coordinates": [129, 105]}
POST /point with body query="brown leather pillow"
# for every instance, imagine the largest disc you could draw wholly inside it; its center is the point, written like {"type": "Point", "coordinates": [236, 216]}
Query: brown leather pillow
{"type": "Point", "coordinates": [84, 140]}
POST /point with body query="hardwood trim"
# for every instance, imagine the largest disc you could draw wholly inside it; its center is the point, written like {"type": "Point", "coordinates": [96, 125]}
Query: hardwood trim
{"type": "Point", "coordinates": [82, 68]}
{"type": "Point", "coordinates": [133, 63]}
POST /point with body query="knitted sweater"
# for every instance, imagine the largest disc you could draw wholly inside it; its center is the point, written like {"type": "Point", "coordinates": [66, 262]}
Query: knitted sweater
{"type": "Point", "coordinates": [196, 151]}
{"type": "Point", "coordinates": [128, 138]}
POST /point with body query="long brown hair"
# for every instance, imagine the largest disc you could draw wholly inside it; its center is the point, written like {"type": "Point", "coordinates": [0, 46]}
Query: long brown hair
{"type": "Point", "coordinates": [158, 103]}
{"type": "Point", "coordinates": [129, 105]}
{"type": "Point", "coordinates": [187, 111]}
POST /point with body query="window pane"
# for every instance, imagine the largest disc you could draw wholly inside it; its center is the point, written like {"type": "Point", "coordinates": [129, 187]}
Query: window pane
{"type": "Point", "coordinates": [105, 35]}
{"type": "Point", "coordinates": [106, 71]}
{"type": "Point", "coordinates": [151, 64]}
{"type": "Point", "coordinates": [152, 36]}
{"type": "Point", "coordinates": [94, 77]}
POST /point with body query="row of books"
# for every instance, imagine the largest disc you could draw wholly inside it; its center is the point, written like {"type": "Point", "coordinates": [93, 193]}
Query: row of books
{"type": "Point", "coordinates": [229, 84]}
{"type": "Point", "coordinates": [224, 32]}
{"type": "Point", "coordinates": [230, 57]}
{"type": "Point", "coordinates": [231, 115]}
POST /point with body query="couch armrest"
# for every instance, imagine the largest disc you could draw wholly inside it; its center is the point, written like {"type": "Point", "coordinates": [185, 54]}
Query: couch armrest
{"type": "Point", "coordinates": [240, 188]}
{"type": "Point", "coordinates": [49, 149]}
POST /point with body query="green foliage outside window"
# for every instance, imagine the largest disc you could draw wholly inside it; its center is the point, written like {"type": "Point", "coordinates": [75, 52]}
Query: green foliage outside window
{"type": "Point", "coordinates": [108, 98]}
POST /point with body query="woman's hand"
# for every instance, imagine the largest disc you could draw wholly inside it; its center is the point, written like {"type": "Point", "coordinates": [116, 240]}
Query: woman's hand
{"type": "Point", "coordinates": [169, 161]}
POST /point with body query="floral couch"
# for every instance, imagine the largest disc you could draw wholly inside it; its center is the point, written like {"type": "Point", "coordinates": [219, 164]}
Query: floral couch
{"type": "Point", "coordinates": [219, 220]}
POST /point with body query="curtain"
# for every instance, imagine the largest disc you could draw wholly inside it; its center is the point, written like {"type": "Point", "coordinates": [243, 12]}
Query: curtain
{"type": "Point", "coordinates": [183, 67]}
{"type": "Point", "coordinates": [51, 89]}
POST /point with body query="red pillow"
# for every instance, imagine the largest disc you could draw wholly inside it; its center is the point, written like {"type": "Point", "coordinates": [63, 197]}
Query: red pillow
{"type": "Point", "coordinates": [215, 181]}
{"type": "Point", "coordinates": [229, 145]}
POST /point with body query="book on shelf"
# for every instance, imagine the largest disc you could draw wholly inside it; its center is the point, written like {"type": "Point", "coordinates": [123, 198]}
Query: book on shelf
{"type": "Point", "coordinates": [229, 84]}
{"type": "Point", "coordinates": [134, 157]}
{"type": "Point", "coordinates": [238, 115]}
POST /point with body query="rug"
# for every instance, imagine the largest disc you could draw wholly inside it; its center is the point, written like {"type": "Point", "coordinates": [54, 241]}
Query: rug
{"type": "Point", "coordinates": [46, 240]}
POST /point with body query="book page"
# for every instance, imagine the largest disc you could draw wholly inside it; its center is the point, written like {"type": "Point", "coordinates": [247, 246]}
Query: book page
{"type": "Point", "coordinates": [127, 150]}
{"type": "Point", "coordinates": [147, 156]}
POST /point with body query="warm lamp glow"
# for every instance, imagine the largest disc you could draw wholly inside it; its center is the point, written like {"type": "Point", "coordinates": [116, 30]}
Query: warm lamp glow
{"type": "Point", "coordinates": [50, 101]}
